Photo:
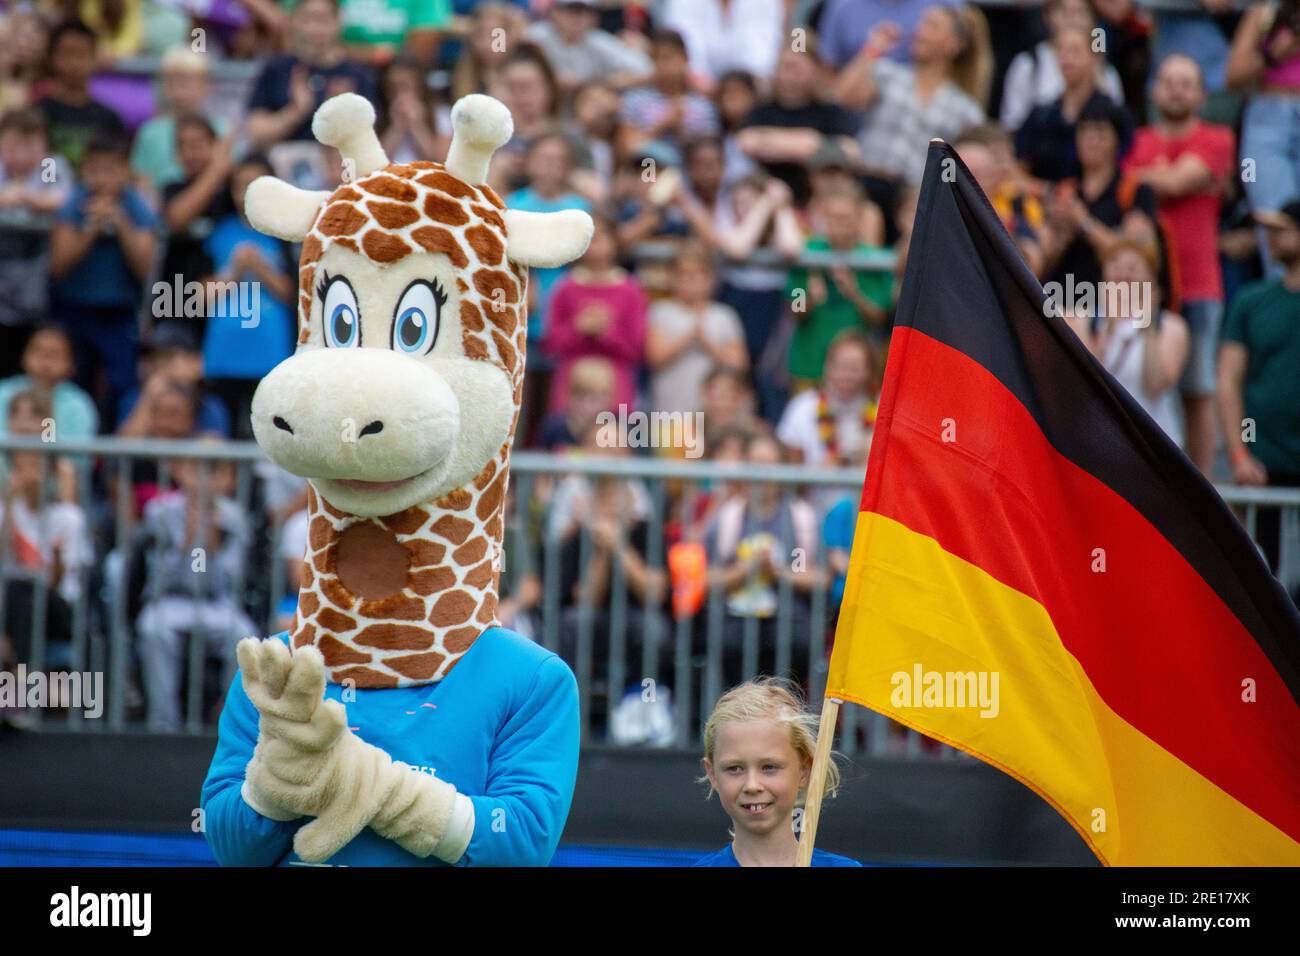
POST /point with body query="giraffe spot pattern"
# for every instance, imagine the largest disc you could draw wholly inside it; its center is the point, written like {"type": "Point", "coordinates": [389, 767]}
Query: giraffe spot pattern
{"type": "Point", "coordinates": [389, 187]}
{"type": "Point", "coordinates": [335, 622]}
{"type": "Point", "coordinates": [395, 637]}
{"type": "Point", "coordinates": [431, 581]}
{"type": "Point", "coordinates": [341, 219]}
{"type": "Point", "coordinates": [417, 666]}
{"type": "Point", "coordinates": [383, 247]}
{"type": "Point", "coordinates": [425, 552]}
{"type": "Point", "coordinates": [393, 215]}
{"type": "Point", "coordinates": [436, 239]}
{"type": "Point", "coordinates": [337, 653]}
{"type": "Point", "coordinates": [405, 522]}
{"type": "Point", "coordinates": [486, 243]}
{"type": "Point", "coordinates": [470, 551]}
{"type": "Point", "coordinates": [399, 606]}
{"type": "Point", "coordinates": [365, 678]}
{"type": "Point", "coordinates": [452, 608]}
{"type": "Point", "coordinates": [454, 529]}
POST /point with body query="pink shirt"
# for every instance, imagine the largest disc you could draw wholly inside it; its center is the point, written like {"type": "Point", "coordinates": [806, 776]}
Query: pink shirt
{"type": "Point", "coordinates": [622, 343]}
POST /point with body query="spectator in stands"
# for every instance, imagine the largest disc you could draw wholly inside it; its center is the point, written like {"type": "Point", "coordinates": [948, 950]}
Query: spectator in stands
{"type": "Point", "coordinates": [1089, 213]}
{"type": "Point", "coordinates": [101, 251]}
{"type": "Point", "coordinates": [375, 30]}
{"type": "Point", "coordinates": [1266, 55]}
{"type": "Point", "coordinates": [252, 326]}
{"type": "Point", "coordinates": [198, 537]}
{"type": "Point", "coordinates": [412, 124]}
{"type": "Point", "coordinates": [597, 309]}
{"type": "Point", "coordinates": [172, 357]}
{"type": "Point", "coordinates": [1045, 141]}
{"type": "Point", "coordinates": [666, 108]}
{"type": "Point", "coordinates": [825, 300]}
{"type": "Point", "coordinates": [831, 426]}
{"type": "Point", "coordinates": [650, 198]}
{"type": "Point", "coordinates": [47, 369]}
{"type": "Point", "coordinates": [1259, 388]}
{"type": "Point", "coordinates": [495, 32]}
{"type": "Point", "coordinates": [987, 151]}
{"type": "Point", "coordinates": [1186, 162]}
{"type": "Point", "coordinates": [72, 116]}
{"type": "Point", "coordinates": [734, 99]}
{"type": "Point", "coordinates": [846, 26]}
{"type": "Point", "coordinates": [838, 528]}
{"type": "Point", "coordinates": [593, 128]}
{"type": "Point", "coordinates": [33, 187]}
{"type": "Point", "coordinates": [1145, 349]}
{"type": "Point", "coordinates": [939, 93]}
{"type": "Point", "coordinates": [727, 398]}
{"type": "Point", "coordinates": [47, 541]}
{"type": "Point", "coordinates": [184, 85]}
{"type": "Point", "coordinates": [758, 538]}
{"type": "Point", "coordinates": [292, 85]}
{"type": "Point", "coordinates": [783, 133]}
{"type": "Point", "coordinates": [581, 52]}
{"type": "Point", "coordinates": [1034, 77]}
{"type": "Point", "coordinates": [725, 35]}
{"type": "Point", "coordinates": [192, 207]}
{"type": "Point", "coordinates": [532, 93]}
{"type": "Point", "coordinates": [689, 333]}
{"type": "Point", "coordinates": [830, 170]}
{"type": "Point", "coordinates": [24, 46]}
{"type": "Point", "coordinates": [593, 388]}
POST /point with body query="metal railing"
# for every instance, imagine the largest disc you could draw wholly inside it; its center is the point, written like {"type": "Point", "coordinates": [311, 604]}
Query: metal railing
{"type": "Point", "coordinates": [627, 648]}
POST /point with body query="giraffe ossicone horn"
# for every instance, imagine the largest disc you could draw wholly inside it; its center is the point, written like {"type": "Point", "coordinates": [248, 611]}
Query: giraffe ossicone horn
{"type": "Point", "coordinates": [480, 126]}
{"type": "Point", "coordinates": [347, 122]}
{"type": "Point", "coordinates": [279, 209]}
{"type": "Point", "coordinates": [547, 239]}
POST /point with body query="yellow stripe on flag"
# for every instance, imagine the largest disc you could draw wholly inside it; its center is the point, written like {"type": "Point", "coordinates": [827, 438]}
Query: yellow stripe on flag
{"type": "Point", "coordinates": [909, 605]}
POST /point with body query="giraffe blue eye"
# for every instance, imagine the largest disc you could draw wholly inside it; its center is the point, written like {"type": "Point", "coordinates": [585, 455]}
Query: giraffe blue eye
{"type": "Point", "coordinates": [415, 323]}
{"type": "Point", "coordinates": [341, 317]}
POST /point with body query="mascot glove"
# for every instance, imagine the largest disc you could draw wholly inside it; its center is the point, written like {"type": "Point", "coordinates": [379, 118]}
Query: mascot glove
{"type": "Point", "coordinates": [308, 763]}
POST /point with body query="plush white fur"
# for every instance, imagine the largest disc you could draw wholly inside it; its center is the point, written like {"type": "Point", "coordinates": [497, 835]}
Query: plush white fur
{"type": "Point", "coordinates": [480, 126]}
{"type": "Point", "coordinates": [547, 239]}
{"type": "Point", "coordinates": [307, 762]}
{"type": "Point", "coordinates": [278, 209]}
{"type": "Point", "coordinates": [347, 122]}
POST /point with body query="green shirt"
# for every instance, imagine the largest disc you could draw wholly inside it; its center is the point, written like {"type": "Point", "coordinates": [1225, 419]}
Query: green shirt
{"type": "Point", "coordinates": [1265, 318]}
{"type": "Point", "coordinates": [386, 22]}
{"type": "Point", "coordinates": [816, 326]}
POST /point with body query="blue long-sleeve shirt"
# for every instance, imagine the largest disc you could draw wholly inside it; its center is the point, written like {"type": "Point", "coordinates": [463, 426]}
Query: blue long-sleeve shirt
{"type": "Point", "coordinates": [502, 728]}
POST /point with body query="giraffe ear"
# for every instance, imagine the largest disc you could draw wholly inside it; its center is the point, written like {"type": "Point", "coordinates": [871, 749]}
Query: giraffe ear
{"type": "Point", "coordinates": [547, 239]}
{"type": "Point", "coordinates": [278, 209]}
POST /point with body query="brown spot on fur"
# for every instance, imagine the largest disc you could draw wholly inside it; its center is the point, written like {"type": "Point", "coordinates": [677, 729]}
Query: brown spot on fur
{"type": "Point", "coordinates": [487, 612]}
{"type": "Point", "coordinates": [493, 527]}
{"type": "Point", "coordinates": [395, 637]}
{"type": "Point", "coordinates": [471, 319]}
{"type": "Point", "coordinates": [323, 562]}
{"type": "Point", "coordinates": [364, 677]}
{"type": "Point", "coordinates": [303, 336]}
{"type": "Point", "coordinates": [486, 243]}
{"type": "Point", "coordinates": [437, 239]}
{"type": "Point", "coordinates": [425, 552]}
{"type": "Point", "coordinates": [484, 476]}
{"type": "Point", "coordinates": [382, 247]}
{"type": "Point", "coordinates": [474, 347]}
{"type": "Point", "coordinates": [481, 576]}
{"type": "Point", "coordinates": [336, 593]}
{"type": "Point", "coordinates": [336, 653]}
{"type": "Point", "coordinates": [469, 552]}
{"type": "Point", "coordinates": [330, 510]}
{"type": "Point", "coordinates": [417, 666]}
{"type": "Point", "coordinates": [454, 607]}
{"type": "Point", "coordinates": [399, 606]}
{"type": "Point", "coordinates": [454, 529]}
{"type": "Point", "coordinates": [461, 284]}
{"type": "Point", "coordinates": [389, 187]}
{"type": "Point", "coordinates": [492, 197]}
{"type": "Point", "coordinates": [505, 350]}
{"type": "Point", "coordinates": [311, 249]}
{"type": "Point", "coordinates": [487, 281]}
{"type": "Point", "coordinates": [308, 603]}
{"type": "Point", "coordinates": [444, 210]}
{"type": "Point", "coordinates": [504, 317]}
{"type": "Point", "coordinates": [431, 581]}
{"type": "Point", "coordinates": [341, 219]}
{"type": "Point", "coordinates": [331, 620]}
{"type": "Point", "coordinates": [457, 500]}
{"type": "Point", "coordinates": [303, 636]}
{"type": "Point", "coordinates": [490, 216]}
{"type": "Point", "coordinates": [448, 184]}
{"type": "Point", "coordinates": [319, 532]}
{"type": "Point", "coordinates": [460, 639]}
{"type": "Point", "coordinates": [346, 194]}
{"type": "Point", "coordinates": [347, 243]}
{"type": "Point", "coordinates": [405, 522]}
{"type": "Point", "coordinates": [392, 215]}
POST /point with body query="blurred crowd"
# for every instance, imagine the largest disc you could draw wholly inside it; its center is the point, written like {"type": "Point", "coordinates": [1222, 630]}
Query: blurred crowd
{"type": "Point", "coordinates": [752, 169]}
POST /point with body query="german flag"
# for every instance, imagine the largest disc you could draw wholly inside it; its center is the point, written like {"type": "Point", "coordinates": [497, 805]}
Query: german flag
{"type": "Point", "coordinates": [1041, 578]}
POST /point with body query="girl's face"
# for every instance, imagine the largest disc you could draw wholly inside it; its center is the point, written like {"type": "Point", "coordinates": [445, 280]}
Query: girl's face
{"type": "Point", "coordinates": [694, 283]}
{"type": "Point", "coordinates": [1075, 57]}
{"type": "Point", "coordinates": [735, 100]}
{"type": "Point", "coordinates": [603, 250]}
{"type": "Point", "coordinates": [757, 774]}
{"type": "Point", "coordinates": [525, 91]}
{"type": "Point", "coordinates": [403, 81]}
{"type": "Point", "coordinates": [936, 36]}
{"type": "Point", "coordinates": [1127, 265]}
{"type": "Point", "coordinates": [194, 148]}
{"type": "Point", "coordinates": [1096, 143]}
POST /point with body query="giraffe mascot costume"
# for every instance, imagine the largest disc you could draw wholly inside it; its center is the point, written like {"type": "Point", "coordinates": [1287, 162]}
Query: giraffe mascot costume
{"type": "Point", "coordinates": [404, 721]}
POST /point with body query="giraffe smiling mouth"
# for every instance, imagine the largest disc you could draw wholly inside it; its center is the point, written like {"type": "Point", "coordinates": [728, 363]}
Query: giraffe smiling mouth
{"type": "Point", "coordinates": [356, 484]}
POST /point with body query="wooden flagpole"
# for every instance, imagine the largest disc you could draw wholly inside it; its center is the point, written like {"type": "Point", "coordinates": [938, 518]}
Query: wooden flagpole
{"type": "Point", "coordinates": [812, 806]}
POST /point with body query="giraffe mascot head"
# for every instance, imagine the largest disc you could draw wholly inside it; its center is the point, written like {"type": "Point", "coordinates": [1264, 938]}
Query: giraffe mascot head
{"type": "Point", "coordinates": [400, 403]}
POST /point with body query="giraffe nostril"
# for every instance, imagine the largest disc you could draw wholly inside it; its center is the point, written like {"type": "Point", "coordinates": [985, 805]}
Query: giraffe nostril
{"type": "Point", "coordinates": [374, 428]}
{"type": "Point", "coordinates": [281, 424]}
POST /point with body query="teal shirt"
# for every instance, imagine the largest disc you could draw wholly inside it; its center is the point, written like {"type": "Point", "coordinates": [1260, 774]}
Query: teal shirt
{"type": "Point", "coordinates": [75, 416]}
{"type": "Point", "coordinates": [1265, 318]}
{"type": "Point", "coordinates": [154, 154]}
{"type": "Point", "coordinates": [386, 22]}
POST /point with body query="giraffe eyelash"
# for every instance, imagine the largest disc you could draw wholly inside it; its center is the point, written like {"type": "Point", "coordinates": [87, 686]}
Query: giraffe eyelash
{"type": "Point", "coordinates": [322, 285]}
{"type": "Point", "coordinates": [439, 294]}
